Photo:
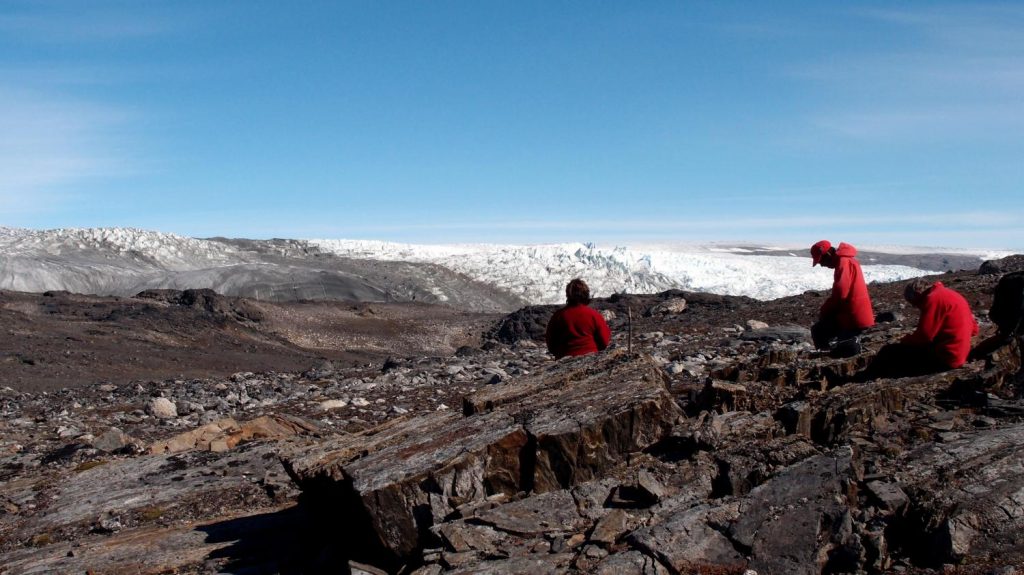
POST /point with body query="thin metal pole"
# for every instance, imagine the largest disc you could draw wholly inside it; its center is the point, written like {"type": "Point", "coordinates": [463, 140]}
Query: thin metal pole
{"type": "Point", "coordinates": [629, 315]}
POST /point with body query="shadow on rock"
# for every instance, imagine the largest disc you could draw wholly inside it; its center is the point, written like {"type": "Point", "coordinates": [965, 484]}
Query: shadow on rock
{"type": "Point", "coordinates": [285, 542]}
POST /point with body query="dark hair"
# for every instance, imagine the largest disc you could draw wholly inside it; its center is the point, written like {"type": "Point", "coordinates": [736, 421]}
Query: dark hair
{"type": "Point", "coordinates": [577, 291]}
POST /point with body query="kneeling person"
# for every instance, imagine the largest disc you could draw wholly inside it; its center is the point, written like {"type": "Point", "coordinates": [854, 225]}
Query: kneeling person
{"type": "Point", "coordinates": [847, 311]}
{"type": "Point", "coordinates": [942, 340]}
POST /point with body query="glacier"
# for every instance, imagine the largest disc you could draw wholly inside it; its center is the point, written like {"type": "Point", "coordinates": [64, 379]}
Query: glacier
{"type": "Point", "coordinates": [123, 261]}
{"type": "Point", "coordinates": [538, 273]}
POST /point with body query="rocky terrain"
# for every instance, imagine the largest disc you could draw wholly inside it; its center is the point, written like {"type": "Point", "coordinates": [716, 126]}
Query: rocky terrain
{"type": "Point", "coordinates": [58, 339]}
{"type": "Point", "coordinates": [710, 439]}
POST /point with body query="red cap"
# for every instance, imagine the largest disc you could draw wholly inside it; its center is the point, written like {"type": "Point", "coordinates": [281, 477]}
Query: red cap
{"type": "Point", "coordinates": [817, 250]}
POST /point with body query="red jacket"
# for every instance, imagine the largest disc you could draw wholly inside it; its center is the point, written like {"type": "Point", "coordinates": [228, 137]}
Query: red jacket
{"type": "Point", "coordinates": [576, 330]}
{"type": "Point", "coordinates": [849, 305]}
{"type": "Point", "coordinates": [947, 324]}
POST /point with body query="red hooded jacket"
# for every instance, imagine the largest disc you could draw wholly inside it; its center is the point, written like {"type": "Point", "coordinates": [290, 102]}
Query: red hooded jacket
{"type": "Point", "coordinates": [576, 330]}
{"type": "Point", "coordinates": [849, 305]}
{"type": "Point", "coordinates": [947, 324]}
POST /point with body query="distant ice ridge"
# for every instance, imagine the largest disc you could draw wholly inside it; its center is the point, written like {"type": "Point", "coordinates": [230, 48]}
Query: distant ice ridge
{"type": "Point", "coordinates": [168, 251]}
{"type": "Point", "coordinates": [106, 260]}
{"type": "Point", "coordinates": [539, 273]}
{"type": "Point", "coordinates": [126, 260]}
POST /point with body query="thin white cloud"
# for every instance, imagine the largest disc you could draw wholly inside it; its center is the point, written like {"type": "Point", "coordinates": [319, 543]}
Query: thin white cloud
{"type": "Point", "coordinates": [958, 73]}
{"type": "Point", "coordinates": [47, 143]}
{"type": "Point", "coordinates": [976, 121]}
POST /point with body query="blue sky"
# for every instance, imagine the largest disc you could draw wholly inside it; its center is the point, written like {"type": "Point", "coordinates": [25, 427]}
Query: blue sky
{"type": "Point", "coordinates": [884, 123]}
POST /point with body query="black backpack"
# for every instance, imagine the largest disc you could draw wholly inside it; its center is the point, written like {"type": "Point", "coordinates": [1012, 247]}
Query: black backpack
{"type": "Point", "coordinates": [1008, 304]}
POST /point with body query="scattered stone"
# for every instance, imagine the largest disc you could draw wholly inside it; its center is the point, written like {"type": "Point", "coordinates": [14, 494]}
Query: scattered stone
{"type": "Point", "coordinates": [754, 324]}
{"type": "Point", "coordinates": [65, 432]}
{"type": "Point", "coordinates": [226, 433]}
{"type": "Point", "coordinates": [649, 486]}
{"type": "Point", "coordinates": [889, 495]}
{"type": "Point", "coordinates": [786, 333]}
{"type": "Point", "coordinates": [108, 524]}
{"type": "Point", "coordinates": [112, 440]}
{"type": "Point", "coordinates": [333, 404]}
{"type": "Point", "coordinates": [609, 528]}
{"type": "Point", "coordinates": [162, 408]}
{"type": "Point", "coordinates": [673, 306]}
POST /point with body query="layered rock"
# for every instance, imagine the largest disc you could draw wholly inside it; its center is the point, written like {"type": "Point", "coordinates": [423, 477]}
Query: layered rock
{"type": "Point", "coordinates": [565, 426]}
{"type": "Point", "coordinates": [966, 496]}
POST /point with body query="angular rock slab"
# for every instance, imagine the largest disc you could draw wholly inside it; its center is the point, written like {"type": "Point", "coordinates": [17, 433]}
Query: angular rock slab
{"type": "Point", "coordinates": [687, 542]}
{"type": "Point", "coordinates": [834, 414]}
{"type": "Point", "coordinates": [389, 487]}
{"type": "Point", "coordinates": [630, 563]}
{"type": "Point", "coordinates": [563, 427]}
{"type": "Point", "coordinates": [563, 372]}
{"type": "Point", "coordinates": [153, 550]}
{"type": "Point", "coordinates": [790, 524]}
{"type": "Point", "coordinates": [153, 482]}
{"type": "Point", "coordinates": [584, 418]}
{"type": "Point", "coordinates": [538, 515]}
{"type": "Point", "coordinates": [793, 522]}
{"type": "Point", "coordinates": [970, 494]}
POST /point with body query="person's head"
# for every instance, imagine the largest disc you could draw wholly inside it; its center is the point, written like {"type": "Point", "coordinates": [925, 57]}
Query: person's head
{"type": "Point", "coordinates": [915, 291]}
{"type": "Point", "coordinates": [823, 253]}
{"type": "Point", "coordinates": [576, 292]}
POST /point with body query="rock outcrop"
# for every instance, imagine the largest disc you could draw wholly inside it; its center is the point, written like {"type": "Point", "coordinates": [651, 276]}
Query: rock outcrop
{"type": "Point", "coordinates": [568, 425]}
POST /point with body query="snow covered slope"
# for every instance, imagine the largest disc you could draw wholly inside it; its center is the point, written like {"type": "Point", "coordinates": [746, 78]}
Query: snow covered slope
{"type": "Point", "coordinates": [118, 261]}
{"type": "Point", "coordinates": [538, 273]}
{"type": "Point", "coordinates": [123, 261]}
{"type": "Point", "coordinates": [102, 261]}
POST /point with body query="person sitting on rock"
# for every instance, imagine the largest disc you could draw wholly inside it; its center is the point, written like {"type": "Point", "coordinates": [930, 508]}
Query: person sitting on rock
{"type": "Point", "coordinates": [847, 311]}
{"type": "Point", "coordinates": [576, 329]}
{"type": "Point", "coordinates": [941, 341]}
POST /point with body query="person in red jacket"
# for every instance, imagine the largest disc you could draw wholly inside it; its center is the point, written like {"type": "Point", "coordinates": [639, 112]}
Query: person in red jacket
{"type": "Point", "coordinates": [942, 340]}
{"type": "Point", "coordinates": [847, 311]}
{"type": "Point", "coordinates": [576, 329]}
